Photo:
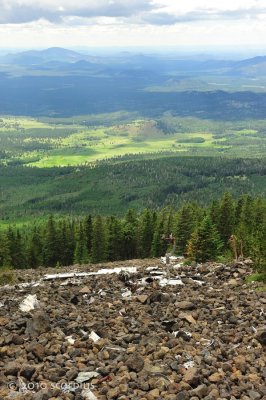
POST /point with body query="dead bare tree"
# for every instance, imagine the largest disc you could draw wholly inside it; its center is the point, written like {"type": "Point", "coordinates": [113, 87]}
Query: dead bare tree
{"type": "Point", "coordinates": [237, 247]}
{"type": "Point", "coordinates": [170, 239]}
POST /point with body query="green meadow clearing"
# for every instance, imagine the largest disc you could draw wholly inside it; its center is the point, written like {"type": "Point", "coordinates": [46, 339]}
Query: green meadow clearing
{"type": "Point", "coordinates": [81, 140]}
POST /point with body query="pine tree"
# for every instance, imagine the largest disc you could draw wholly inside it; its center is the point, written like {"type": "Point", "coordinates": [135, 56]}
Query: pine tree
{"type": "Point", "coordinates": [114, 239]}
{"type": "Point", "coordinates": [159, 246]}
{"type": "Point", "coordinates": [256, 247]}
{"type": "Point", "coordinates": [205, 243]}
{"type": "Point", "coordinates": [246, 225]}
{"type": "Point", "coordinates": [130, 235]}
{"type": "Point", "coordinates": [81, 252]}
{"type": "Point", "coordinates": [238, 209]}
{"type": "Point", "coordinates": [215, 213]}
{"type": "Point", "coordinates": [34, 251]}
{"type": "Point", "coordinates": [98, 250]}
{"type": "Point", "coordinates": [5, 256]}
{"type": "Point", "coordinates": [145, 234]}
{"type": "Point", "coordinates": [185, 225]}
{"type": "Point", "coordinates": [88, 230]}
{"type": "Point", "coordinates": [51, 248]}
{"type": "Point", "coordinates": [16, 252]}
{"type": "Point", "coordinates": [226, 223]}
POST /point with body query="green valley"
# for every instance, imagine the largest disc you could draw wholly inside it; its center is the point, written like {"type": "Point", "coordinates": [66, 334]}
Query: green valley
{"type": "Point", "coordinates": [50, 142]}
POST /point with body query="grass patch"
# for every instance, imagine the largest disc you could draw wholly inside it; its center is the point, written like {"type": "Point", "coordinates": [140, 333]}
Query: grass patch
{"type": "Point", "coordinates": [7, 277]}
{"type": "Point", "coordinates": [258, 277]}
{"type": "Point", "coordinates": [261, 289]}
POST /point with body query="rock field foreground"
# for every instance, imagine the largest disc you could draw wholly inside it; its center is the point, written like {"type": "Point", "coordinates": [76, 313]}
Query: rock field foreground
{"type": "Point", "coordinates": [196, 333]}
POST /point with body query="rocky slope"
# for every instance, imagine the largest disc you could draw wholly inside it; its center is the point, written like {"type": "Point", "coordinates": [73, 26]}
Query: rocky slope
{"type": "Point", "coordinates": [197, 332]}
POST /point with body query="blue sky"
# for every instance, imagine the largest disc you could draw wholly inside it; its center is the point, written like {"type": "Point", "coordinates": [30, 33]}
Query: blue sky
{"type": "Point", "coordinates": [88, 23]}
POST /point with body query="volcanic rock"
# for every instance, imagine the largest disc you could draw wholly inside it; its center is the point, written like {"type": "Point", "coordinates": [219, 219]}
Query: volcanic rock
{"type": "Point", "coordinates": [135, 362]}
{"type": "Point", "coordinates": [38, 324]}
{"type": "Point", "coordinates": [200, 340]}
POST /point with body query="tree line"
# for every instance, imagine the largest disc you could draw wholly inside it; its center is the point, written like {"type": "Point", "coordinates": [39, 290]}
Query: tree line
{"type": "Point", "coordinates": [202, 234]}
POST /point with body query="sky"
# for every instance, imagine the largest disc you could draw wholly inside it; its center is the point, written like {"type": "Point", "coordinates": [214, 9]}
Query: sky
{"type": "Point", "coordinates": [122, 23]}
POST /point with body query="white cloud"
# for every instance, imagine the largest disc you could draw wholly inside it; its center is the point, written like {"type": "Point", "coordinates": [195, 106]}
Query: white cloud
{"type": "Point", "coordinates": [158, 12]}
{"type": "Point", "coordinates": [19, 11]}
{"type": "Point", "coordinates": [36, 23]}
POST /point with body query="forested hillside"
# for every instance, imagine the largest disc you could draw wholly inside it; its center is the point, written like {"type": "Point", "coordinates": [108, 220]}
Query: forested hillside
{"type": "Point", "coordinates": [113, 186]}
{"type": "Point", "coordinates": [202, 234]}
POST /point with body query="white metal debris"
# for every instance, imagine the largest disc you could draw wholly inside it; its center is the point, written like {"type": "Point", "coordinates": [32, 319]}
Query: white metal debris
{"type": "Point", "coordinates": [151, 268]}
{"type": "Point", "coordinates": [94, 337]}
{"type": "Point", "coordinates": [70, 339]}
{"type": "Point", "coordinates": [158, 272]}
{"type": "Point", "coordinates": [207, 342]}
{"type": "Point", "coordinates": [171, 258]}
{"type": "Point", "coordinates": [28, 284]}
{"type": "Point", "coordinates": [20, 286]}
{"type": "Point", "coordinates": [128, 293]}
{"type": "Point", "coordinates": [88, 395]}
{"type": "Point", "coordinates": [115, 348]}
{"type": "Point", "coordinates": [198, 282]}
{"type": "Point", "coordinates": [186, 332]}
{"type": "Point", "coordinates": [161, 278]}
{"type": "Point", "coordinates": [177, 266]}
{"type": "Point", "coordinates": [72, 282]}
{"type": "Point", "coordinates": [86, 376]}
{"type": "Point", "coordinates": [189, 364]}
{"type": "Point", "coordinates": [29, 303]}
{"type": "Point", "coordinates": [104, 271]}
{"type": "Point", "coordinates": [172, 282]}
{"type": "Point", "coordinates": [102, 293]}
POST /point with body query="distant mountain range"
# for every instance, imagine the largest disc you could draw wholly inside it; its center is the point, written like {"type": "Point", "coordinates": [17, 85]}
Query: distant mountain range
{"type": "Point", "coordinates": [63, 82]}
{"type": "Point", "coordinates": [40, 56]}
{"type": "Point", "coordinates": [57, 57]}
{"type": "Point", "coordinates": [252, 66]}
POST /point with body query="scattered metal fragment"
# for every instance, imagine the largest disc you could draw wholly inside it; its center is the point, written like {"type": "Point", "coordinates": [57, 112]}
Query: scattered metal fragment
{"type": "Point", "coordinates": [94, 337]}
{"type": "Point", "coordinates": [88, 395]}
{"type": "Point", "coordinates": [70, 339]}
{"type": "Point", "coordinates": [86, 376]}
{"type": "Point", "coordinates": [189, 364]}
{"type": "Point", "coordinates": [29, 303]}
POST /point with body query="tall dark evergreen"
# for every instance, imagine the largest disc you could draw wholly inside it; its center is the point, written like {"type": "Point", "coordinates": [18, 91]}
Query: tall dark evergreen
{"type": "Point", "coordinates": [88, 230]}
{"type": "Point", "coordinates": [205, 243]}
{"type": "Point", "coordinates": [159, 245]}
{"type": "Point", "coordinates": [5, 256]}
{"type": "Point", "coordinates": [16, 248]}
{"type": "Point", "coordinates": [80, 252]}
{"type": "Point", "coordinates": [114, 239]}
{"type": "Point", "coordinates": [51, 249]}
{"type": "Point", "coordinates": [34, 250]}
{"type": "Point", "coordinates": [130, 235]}
{"type": "Point", "coordinates": [215, 212]}
{"type": "Point", "coordinates": [146, 227]}
{"type": "Point", "coordinates": [67, 242]}
{"type": "Point", "coordinates": [246, 225]}
{"type": "Point", "coordinates": [98, 250]}
{"type": "Point", "coordinates": [186, 222]}
{"type": "Point", "coordinates": [226, 219]}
